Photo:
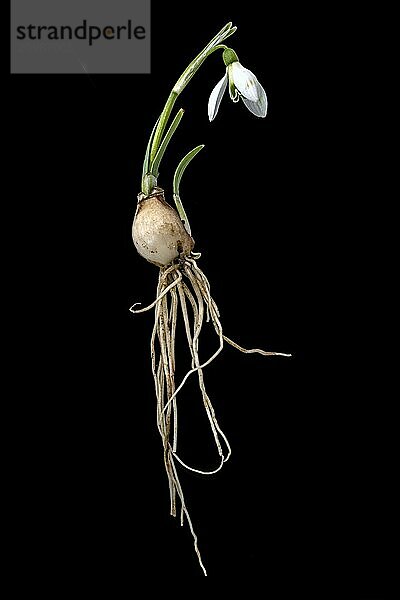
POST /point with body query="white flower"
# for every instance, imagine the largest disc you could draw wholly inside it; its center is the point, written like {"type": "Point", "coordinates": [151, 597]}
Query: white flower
{"type": "Point", "coordinates": [242, 84]}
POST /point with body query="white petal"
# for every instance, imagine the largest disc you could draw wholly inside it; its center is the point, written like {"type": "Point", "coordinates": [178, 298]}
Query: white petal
{"type": "Point", "coordinates": [245, 81]}
{"type": "Point", "coordinates": [216, 97]}
{"type": "Point", "coordinates": [260, 107]}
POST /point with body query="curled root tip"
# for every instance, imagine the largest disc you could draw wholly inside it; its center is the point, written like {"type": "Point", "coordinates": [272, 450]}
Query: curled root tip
{"type": "Point", "coordinates": [133, 306]}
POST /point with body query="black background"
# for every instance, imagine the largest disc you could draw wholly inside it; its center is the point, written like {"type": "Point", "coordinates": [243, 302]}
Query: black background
{"type": "Point", "coordinates": [304, 501]}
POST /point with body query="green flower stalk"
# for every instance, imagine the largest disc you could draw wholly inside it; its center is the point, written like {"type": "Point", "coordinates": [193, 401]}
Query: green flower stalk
{"type": "Point", "coordinates": [184, 79]}
{"type": "Point", "coordinates": [162, 235]}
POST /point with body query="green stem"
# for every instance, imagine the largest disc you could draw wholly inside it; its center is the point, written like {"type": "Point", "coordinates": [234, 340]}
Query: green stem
{"type": "Point", "coordinates": [219, 47]}
{"type": "Point", "coordinates": [146, 162]}
{"type": "Point", "coordinates": [189, 72]}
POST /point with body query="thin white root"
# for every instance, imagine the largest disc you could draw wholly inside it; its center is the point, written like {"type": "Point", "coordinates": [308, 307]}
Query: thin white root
{"type": "Point", "coordinates": [157, 300]}
{"type": "Point", "coordinates": [174, 291]}
{"type": "Point", "coordinates": [198, 470]}
{"type": "Point", "coordinates": [185, 511]}
{"type": "Point", "coordinates": [180, 386]}
{"type": "Point", "coordinates": [183, 291]}
{"type": "Point", "coordinates": [253, 350]}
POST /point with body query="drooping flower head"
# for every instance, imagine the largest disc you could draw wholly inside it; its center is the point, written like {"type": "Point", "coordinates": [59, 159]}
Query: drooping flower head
{"type": "Point", "coordinates": [243, 84]}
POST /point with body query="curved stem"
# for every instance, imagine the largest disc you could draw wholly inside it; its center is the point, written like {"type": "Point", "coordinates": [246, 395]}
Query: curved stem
{"type": "Point", "coordinates": [189, 72]}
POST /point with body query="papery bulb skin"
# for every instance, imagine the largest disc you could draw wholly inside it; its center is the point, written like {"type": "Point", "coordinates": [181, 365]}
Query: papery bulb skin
{"type": "Point", "coordinates": [158, 232]}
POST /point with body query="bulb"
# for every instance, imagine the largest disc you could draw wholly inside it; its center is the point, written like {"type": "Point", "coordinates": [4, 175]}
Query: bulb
{"type": "Point", "coordinates": [158, 232]}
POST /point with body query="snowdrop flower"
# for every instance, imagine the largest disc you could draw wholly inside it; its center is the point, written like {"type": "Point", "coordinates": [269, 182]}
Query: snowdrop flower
{"type": "Point", "coordinates": [242, 84]}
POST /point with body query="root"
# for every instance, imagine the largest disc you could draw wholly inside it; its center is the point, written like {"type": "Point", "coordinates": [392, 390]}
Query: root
{"type": "Point", "coordinates": [159, 296]}
{"type": "Point", "coordinates": [253, 350]}
{"type": "Point", "coordinates": [184, 284]}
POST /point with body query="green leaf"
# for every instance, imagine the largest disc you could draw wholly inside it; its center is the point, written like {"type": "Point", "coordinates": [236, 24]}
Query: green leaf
{"type": "Point", "coordinates": [182, 166]}
{"type": "Point", "coordinates": [177, 180]}
{"type": "Point", "coordinates": [163, 146]}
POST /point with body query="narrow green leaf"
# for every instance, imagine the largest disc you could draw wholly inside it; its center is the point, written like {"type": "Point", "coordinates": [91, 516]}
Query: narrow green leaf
{"type": "Point", "coordinates": [182, 166]}
{"type": "Point", "coordinates": [177, 180]}
{"type": "Point", "coordinates": [163, 146]}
